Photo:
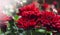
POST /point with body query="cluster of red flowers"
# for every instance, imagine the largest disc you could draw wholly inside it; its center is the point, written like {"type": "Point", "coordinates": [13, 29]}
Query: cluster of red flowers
{"type": "Point", "coordinates": [32, 17]}
{"type": "Point", "coordinates": [29, 15]}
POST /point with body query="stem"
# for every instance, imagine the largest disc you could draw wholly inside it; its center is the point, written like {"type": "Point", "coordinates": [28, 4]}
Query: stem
{"type": "Point", "coordinates": [25, 33]}
{"type": "Point", "coordinates": [51, 34]}
{"type": "Point", "coordinates": [11, 22]}
{"type": "Point", "coordinates": [45, 33]}
{"type": "Point", "coordinates": [31, 32]}
{"type": "Point", "coordinates": [0, 31]}
{"type": "Point", "coordinates": [28, 32]}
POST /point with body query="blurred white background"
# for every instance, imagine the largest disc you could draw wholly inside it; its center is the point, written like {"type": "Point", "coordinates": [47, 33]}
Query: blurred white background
{"type": "Point", "coordinates": [8, 7]}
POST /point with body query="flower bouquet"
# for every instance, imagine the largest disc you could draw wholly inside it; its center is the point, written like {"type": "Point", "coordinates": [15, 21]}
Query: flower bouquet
{"type": "Point", "coordinates": [30, 20]}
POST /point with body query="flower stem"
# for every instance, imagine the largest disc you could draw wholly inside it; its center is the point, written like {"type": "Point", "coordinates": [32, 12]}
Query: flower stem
{"type": "Point", "coordinates": [31, 32]}
{"type": "Point", "coordinates": [0, 31]}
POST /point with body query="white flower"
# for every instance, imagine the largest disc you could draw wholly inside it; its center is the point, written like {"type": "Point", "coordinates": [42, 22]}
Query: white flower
{"type": "Point", "coordinates": [54, 9]}
{"type": "Point", "coordinates": [10, 6]}
{"type": "Point", "coordinates": [24, 1]}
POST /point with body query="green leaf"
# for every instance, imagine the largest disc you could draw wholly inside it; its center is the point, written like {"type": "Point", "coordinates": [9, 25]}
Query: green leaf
{"type": "Point", "coordinates": [41, 30]}
{"type": "Point", "coordinates": [49, 32]}
{"type": "Point", "coordinates": [16, 17]}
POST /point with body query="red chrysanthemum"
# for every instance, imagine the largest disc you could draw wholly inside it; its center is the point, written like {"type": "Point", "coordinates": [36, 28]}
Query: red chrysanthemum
{"type": "Point", "coordinates": [49, 15]}
{"type": "Point", "coordinates": [26, 24]}
{"type": "Point", "coordinates": [33, 18]}
{"type": "Point", "coordinates": [56, 22]}
{"type": "Point", "coordinates": [31, 9]}
{"type": "Point", "coordinates": [45, 5]}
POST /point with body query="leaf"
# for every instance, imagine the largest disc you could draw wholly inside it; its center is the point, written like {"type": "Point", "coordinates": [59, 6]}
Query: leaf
{"type": "Point", "coordinates": [49, 32]}
{"type": "Point", "coordinates": [16, 17]}
{"type": "Point", "coordinates": [41, 30]}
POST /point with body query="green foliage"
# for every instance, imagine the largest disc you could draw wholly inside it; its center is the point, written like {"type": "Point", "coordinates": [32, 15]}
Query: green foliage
{"type": "Point", "coordinates": [16, 17]}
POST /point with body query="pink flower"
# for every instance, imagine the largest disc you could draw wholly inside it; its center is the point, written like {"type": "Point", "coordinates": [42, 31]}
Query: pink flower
{"type": "Point", "coordinates": [4, 17]}
{"type": "Point", "coordinates": [3, 21]}
{"type": "Point", "coordinates": [55, 3]}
